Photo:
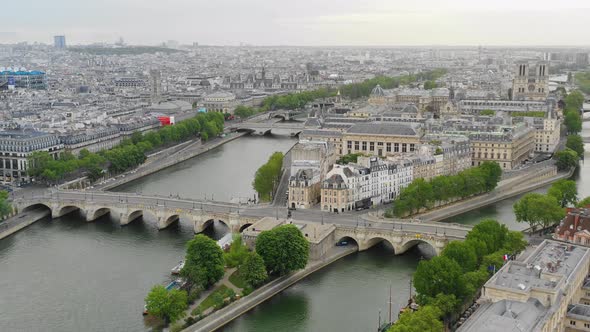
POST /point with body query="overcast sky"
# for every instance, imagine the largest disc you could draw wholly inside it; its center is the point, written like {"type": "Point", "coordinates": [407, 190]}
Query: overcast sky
{"type": "Point", "coordinates": [301, 22]}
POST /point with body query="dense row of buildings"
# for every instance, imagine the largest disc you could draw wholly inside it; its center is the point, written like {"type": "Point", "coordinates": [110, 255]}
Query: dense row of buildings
{"type": "Point", "coordinates": [548, 290]}
{"type": "Point", "coordinates": [408, 133]}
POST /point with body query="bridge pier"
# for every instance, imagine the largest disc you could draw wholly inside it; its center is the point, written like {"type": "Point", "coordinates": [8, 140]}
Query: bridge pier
{"type": "Point", "coordinates": [166, 220]}
{"type": "Point", "coordinates": [234, 222]}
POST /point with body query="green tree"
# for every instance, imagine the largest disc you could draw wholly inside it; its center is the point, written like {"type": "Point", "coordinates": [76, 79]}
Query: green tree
{"type": "Point", "coordinates": [493, 260]}
{"type": "Point", "coordinates": [573, 122]}
{"type": "Point", "coordinates": [237, 252]}
{"type": "Point", "coordinates": [349, 158]}
{"type": "Point", "coordinates": [283, 249]}
{"type": "Point", "coordinates": [564, 191]}
{"type": "Point", "coordinates": [538, 210]}
{"type": "Point", "coordinates": [490, 232]}
{"type": "Point", "coordinates": [462, 253]}
{"type": "Point", "coordinates": [583, 203]}
{"type": "Point", "coordinates": [244, 111]}
{"type": "Point", "coordinates": [488, 112]}
{"type": "Point", "coordinates": [253, 270]}
{"type": "Point", "coordinates": [267, 176]}
{"type": "Point", "coordinates": [5, 207]}
{"type": "Point", "coordinates": [439, 275]}
{"type": "Point", "coordinates": [166, 305]}
{"type": "Point", "coordinates": [474, 280]}
{"type": "Point", "coordinates": [514, 242]}
{"type": "Point", "coordinates": [574, 100]}
{"type": "Point", "coordinates": [425, 319]}
{"type": "Point", "coordinates": [204, 263]}
{"type": "Point", "coordinates": [446, 303]}
{"type": "Point", "coordinates": [566, 159]}
{"type": "Point", "coordinates": [492, 173]}
{"type": "Point", "coordinates": [575, 143]}
{"type": "Point", "coordinates": [429, 85]}
{"type": "Point", "coordinates": [479, 248]}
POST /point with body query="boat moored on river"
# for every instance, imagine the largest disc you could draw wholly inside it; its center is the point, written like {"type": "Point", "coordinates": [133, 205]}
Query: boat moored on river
{"type": "Point", "coordinates": [178, 267]}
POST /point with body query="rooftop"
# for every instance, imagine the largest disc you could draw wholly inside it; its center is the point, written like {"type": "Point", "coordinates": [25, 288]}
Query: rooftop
{"type": "Point", "coordinates": [505, 316]}
{"type": "Point", "coordinates": [551, 263]}
{"type": "Point", "coordinates": [381, 128]}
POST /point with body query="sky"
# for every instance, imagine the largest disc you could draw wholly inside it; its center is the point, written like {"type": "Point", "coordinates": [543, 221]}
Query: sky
{"type": "Point", "coordinates": [300, 22]}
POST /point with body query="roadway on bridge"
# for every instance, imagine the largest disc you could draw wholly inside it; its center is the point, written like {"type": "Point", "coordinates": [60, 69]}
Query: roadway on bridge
{"type": "Point", "coordinates": [350, 219]}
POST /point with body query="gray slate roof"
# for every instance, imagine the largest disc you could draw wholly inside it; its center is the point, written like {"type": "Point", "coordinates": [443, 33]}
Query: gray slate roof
{"type": "Point", "coordinates": [380, 128]}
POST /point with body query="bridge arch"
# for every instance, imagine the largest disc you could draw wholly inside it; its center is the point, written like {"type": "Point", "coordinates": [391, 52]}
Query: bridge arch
{"type": "Point", "coordinates": [244, 226]}
{"type": "Point", "coordinates": [97, 213]}
{"type": "Point", "coordinates": [126, 218]}
{"type": "Point", "coordinates": [377, 240]}
{"type": "Point", "coordinates": [349, 240]}
{"type": "Point", "coordinates": [65, 209]}
{"type": "Point", "coordinates": [168, 220]}
{"type": "Point", "coordinates": [281, 115]}
{"type": "Point", "coordinates": [36, 206]}
{"type": "Point", "coordinates": [432, 248]}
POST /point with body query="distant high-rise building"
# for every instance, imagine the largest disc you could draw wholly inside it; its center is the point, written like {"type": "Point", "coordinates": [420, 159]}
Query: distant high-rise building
{"type": "Point", "coordinates": [156, 85]}
{"type": "Point", "coordinates": [582, 59]}
{"type": "Point", "coordinates": [172, 44]}
{"type": "Point", "coordinates": [59, 42]}
{"type": "Point", "coordinates": [531, 82]}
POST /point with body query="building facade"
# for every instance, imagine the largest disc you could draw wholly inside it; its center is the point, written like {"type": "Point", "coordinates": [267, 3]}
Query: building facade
{"type": "Point", "coordinates": [59, 42]}
{"type": "Point", "coordinates": [17, 146]}
{"type": "Point", "coordinates": [33, 79]}
{"type": "Point", "coordinates": [223, 102]}
{"type": "Point", "coordinates": [531, 81]}
{"type": "Point", "coordinates": [380, 139]}
{"type": "Point", "coordinates": [371, 181]}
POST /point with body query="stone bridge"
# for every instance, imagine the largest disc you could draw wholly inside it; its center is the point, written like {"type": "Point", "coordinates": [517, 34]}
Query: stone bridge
{"type": "Point", "coordinates": [402, 236]}
{"type": "Point", "coordinates": [278, 128]}
{"type": "Point", "coordinates": [128, 207]}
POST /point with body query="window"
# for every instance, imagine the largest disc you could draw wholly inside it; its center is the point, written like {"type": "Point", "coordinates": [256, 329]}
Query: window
{"type": "Point", "coordinates": [364, 146]}
{"type": "Point", "coordinates": [388, 147]}
{"type": "Point", "coordinates": [412, 147]}
{"type": "Point", "coordinates": [573, 322]}
{"type": "Point", "coordinates": [379, 143]}
{"type": "Point", "coordinates": [404, 147]}
{"type": "Point", "coordinates": [396, 147]}
{"type": "Point", "coordinates": [371, 146]}
{"type": "Point", "coordinates": [349, 144]}
{"type": "Point", "coordinates": [356, 145]}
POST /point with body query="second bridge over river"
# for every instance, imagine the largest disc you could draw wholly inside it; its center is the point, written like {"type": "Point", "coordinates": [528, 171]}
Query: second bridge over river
{"type": "Point", "coordinates": [401, 234]}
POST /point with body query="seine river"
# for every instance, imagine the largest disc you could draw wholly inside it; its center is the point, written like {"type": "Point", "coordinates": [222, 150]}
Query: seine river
{"type": "Point", "coordinates": [70, 275]}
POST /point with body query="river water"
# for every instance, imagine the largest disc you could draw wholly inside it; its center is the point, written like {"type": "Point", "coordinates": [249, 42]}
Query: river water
{"type": "Point", "coordinates": [70, 275]}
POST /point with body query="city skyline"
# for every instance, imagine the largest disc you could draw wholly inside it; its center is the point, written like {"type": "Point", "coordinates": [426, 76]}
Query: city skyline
{"type": "Point", "coordinates": [305, 23]}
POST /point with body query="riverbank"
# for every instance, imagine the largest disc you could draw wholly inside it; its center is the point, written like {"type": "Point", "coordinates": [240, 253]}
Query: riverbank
{"type": "Point", "coordinates": [512, 188]}
{"type": "Point", "coordinates": [223, 316]}
{"type": "Point", "coordinates": [184, 154]}
{"type": "Point", "coordinates": [20, 221]}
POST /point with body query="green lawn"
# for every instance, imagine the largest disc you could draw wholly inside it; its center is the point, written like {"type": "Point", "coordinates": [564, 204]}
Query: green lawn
{"type": "Point", "coordinates": [237, 280]}
{"type": "Point", "coordinates": [208, 302]}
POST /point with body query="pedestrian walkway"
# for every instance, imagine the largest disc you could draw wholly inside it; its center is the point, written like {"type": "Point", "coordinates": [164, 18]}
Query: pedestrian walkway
{"type": "Point", "coordinates": [224, 281]}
